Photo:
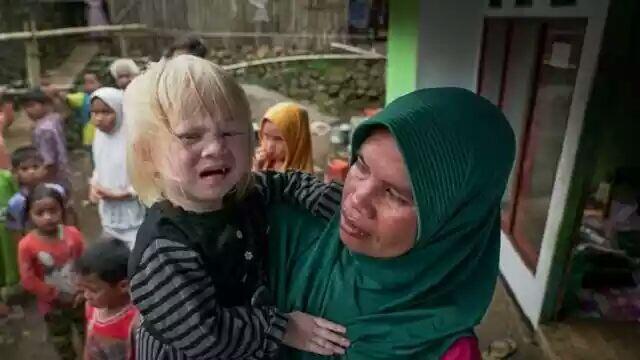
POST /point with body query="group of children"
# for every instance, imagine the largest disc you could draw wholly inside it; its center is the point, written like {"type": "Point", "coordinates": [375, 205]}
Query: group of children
{"type": "Point", "coordinates": [195, 283]}
{"type": "Point", "coordinates": [77, 289]}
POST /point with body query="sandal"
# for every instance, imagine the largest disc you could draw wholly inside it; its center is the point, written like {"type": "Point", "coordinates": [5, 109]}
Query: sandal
{"type": "Point", "coordinates": [500, 349]}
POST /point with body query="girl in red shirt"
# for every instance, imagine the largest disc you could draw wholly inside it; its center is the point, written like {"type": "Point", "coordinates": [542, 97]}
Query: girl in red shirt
{"type": "Point", "coordinates": [45, 258]}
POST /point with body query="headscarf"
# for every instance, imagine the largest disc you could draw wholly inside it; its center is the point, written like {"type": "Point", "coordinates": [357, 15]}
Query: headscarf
{"type": "Point", "coordinates": [458, 150]}
{"type": "Point", "coordinates": [293, 122]}
{"type": "Point", "coordinates": [109, 150]}
{"type": "Point", "coordinates": [124, 66]}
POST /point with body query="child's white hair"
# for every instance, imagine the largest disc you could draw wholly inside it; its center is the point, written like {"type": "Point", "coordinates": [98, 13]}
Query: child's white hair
{"type": "Point", "coordinates": [184, 88]}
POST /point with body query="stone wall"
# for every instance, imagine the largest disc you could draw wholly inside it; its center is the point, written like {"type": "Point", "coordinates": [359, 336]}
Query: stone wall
{"type": "Point", "coordinates": [338, 87]}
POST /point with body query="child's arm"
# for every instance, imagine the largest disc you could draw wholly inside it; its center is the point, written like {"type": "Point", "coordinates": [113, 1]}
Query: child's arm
{"type": "Point", "coordinates": [177, 301]}
{"type": "Point", "coordinates": [46, 145]}
{"type": "Point", "coordinates": [300, 188]}
{"type": "Point", "coordinates": [28, 278]}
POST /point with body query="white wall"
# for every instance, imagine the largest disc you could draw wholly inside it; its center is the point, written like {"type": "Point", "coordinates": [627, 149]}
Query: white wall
{"type": "Point", "coordinates": [450, 41]}
{"type": "Point", "coordinates": [529, 288]}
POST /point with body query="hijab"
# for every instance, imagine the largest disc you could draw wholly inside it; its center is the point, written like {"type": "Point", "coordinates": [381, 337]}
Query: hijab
{"type": "Point", "coordinates": [109, 150]}
{"type": "Point", "coordinates": [293, 122]}
{"type": "Point", "coordinates": [458, 149]}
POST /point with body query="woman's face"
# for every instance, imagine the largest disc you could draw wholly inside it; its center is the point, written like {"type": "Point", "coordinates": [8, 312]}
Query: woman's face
{"type": "Point", "coordinates": [378, 216]}
{"type": "Point", "coordinates": [272, 142]}
{"type": "Point", "coordinates": [203, 161]}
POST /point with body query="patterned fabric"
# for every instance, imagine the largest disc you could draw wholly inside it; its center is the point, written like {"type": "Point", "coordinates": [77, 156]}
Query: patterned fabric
{"type": "Point", "coordinates": [45, 266]}
{"type": "Point", "coordinates": [108, 337]}
{"type": "Point", "coordinates": [48, 137]}
{"type": "Point", "coordinates": [179, 299]}
{"type": "Point", "coordinates": [61, 323]}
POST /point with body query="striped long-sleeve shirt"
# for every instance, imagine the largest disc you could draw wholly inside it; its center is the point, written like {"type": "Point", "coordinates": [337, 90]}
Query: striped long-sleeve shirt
{"type": "Point", "coordinates": [177, 298]}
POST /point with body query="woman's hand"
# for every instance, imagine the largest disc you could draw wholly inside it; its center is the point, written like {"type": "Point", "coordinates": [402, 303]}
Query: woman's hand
{"type": "Point", "coordinates": [313, 334]}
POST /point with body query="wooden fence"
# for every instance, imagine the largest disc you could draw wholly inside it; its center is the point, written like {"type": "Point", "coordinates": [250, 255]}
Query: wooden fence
{"type": "Point", "coordinates": [305, 23]}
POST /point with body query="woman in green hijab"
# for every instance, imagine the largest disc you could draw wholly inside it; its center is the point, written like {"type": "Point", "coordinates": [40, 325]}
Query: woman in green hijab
{"type": "Point", "coordinates": [409, 265]}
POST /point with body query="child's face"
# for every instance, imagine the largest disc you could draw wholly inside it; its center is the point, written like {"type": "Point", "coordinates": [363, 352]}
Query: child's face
{"type": "Point", "coordinates": [102, 116]}
{"type": "Point", "coordinates": [46, 215]}
{"type": "Point", "coordinates": [203, 162]}
{"type": "Point", "coordinates": [30, 172]}
{"type": "Point", "coordinates": [91, 83]}
{"type": "Point", "coordinates": [100, 294]}
{"type": "Point", "coordinates": [123, 80]}
{"type": "Point", "coordinates": [272, 142]}
{"type": "Point", "coordinates": [35, 110]}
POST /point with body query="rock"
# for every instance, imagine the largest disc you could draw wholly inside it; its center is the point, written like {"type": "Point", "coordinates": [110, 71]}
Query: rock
{"type": "Point", "coordinates": [294, 92]}
{"type": "Point", "coordinates": [362, 84]}
{"type": "Point", "coordinates": [360, 75]}
{"type": "Point", "coordinates": [345, 94]}
{"type": "Point", "coordinates": [333, 89]}
{"type": "Point", "coordinates": [321, 98]}
{"type": "Point", "coordinates": [336, 75]}
{"type": "Point", "coordinates": [304, 94]}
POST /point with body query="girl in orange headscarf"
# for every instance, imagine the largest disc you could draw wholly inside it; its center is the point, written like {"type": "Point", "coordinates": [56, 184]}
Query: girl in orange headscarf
{"type": "Point", "coordinates": [285, 139]}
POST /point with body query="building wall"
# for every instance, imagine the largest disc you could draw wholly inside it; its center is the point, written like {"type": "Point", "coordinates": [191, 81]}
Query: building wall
{"type": "Point", "coordinates": [450, 42]}
{"type": "Point", "coordinates": [402, 47]}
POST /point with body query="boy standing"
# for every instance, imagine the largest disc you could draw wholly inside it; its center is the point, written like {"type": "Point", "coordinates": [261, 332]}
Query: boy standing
{"type": "Point", "coordinates": [48, 138]}
{"type": "Point", "coordinates": [28, 169]}
{"type": "Point", "coordinates": [110, 314]}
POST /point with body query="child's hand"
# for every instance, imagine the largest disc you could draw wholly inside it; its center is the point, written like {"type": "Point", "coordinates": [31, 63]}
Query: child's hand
{"type": "Point", "coordinates": [94, 193]}
{"type": "Point", "coordinates": [313, 334]}
{"type": "Point", "coordinates": [78, 299]}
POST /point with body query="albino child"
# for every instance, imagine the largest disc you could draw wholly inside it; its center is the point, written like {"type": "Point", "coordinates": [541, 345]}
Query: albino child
{"type": "Point", "coordinates": [197, 271]}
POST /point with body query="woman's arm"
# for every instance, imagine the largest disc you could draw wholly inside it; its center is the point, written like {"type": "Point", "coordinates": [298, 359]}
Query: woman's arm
{"type": "Point", "coordinates": [300, 188]}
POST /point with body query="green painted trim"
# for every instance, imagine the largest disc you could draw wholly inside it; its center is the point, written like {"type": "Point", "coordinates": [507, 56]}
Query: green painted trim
{"type": "Point", "coordinates": [402, 47]}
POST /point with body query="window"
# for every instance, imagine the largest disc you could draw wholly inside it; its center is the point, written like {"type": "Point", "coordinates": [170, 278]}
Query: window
{"type": "Point", "coordinates": [559, 3]}
{"type": "Point", "coordinates": [495, 3]}
{"type": "Point", "coordinates": [524, 3]}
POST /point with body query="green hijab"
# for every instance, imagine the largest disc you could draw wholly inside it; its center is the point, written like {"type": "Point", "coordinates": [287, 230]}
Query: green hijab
{"type": "Point", "coordinates": [459, 150]}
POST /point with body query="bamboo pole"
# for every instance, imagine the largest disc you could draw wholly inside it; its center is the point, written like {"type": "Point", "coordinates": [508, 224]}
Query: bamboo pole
{"type": "Point", "coordinates": [246, 64]}
{"type": "Point", "coordinates": [23, 35]}
{"type": "Point", "coordinates": [32, 57]}
{"type": "Point", "coordinates": [178, 32]}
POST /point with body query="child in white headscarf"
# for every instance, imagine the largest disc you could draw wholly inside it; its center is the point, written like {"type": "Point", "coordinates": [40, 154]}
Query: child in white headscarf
{"type": "Point", "coordinates": [120, 211]}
